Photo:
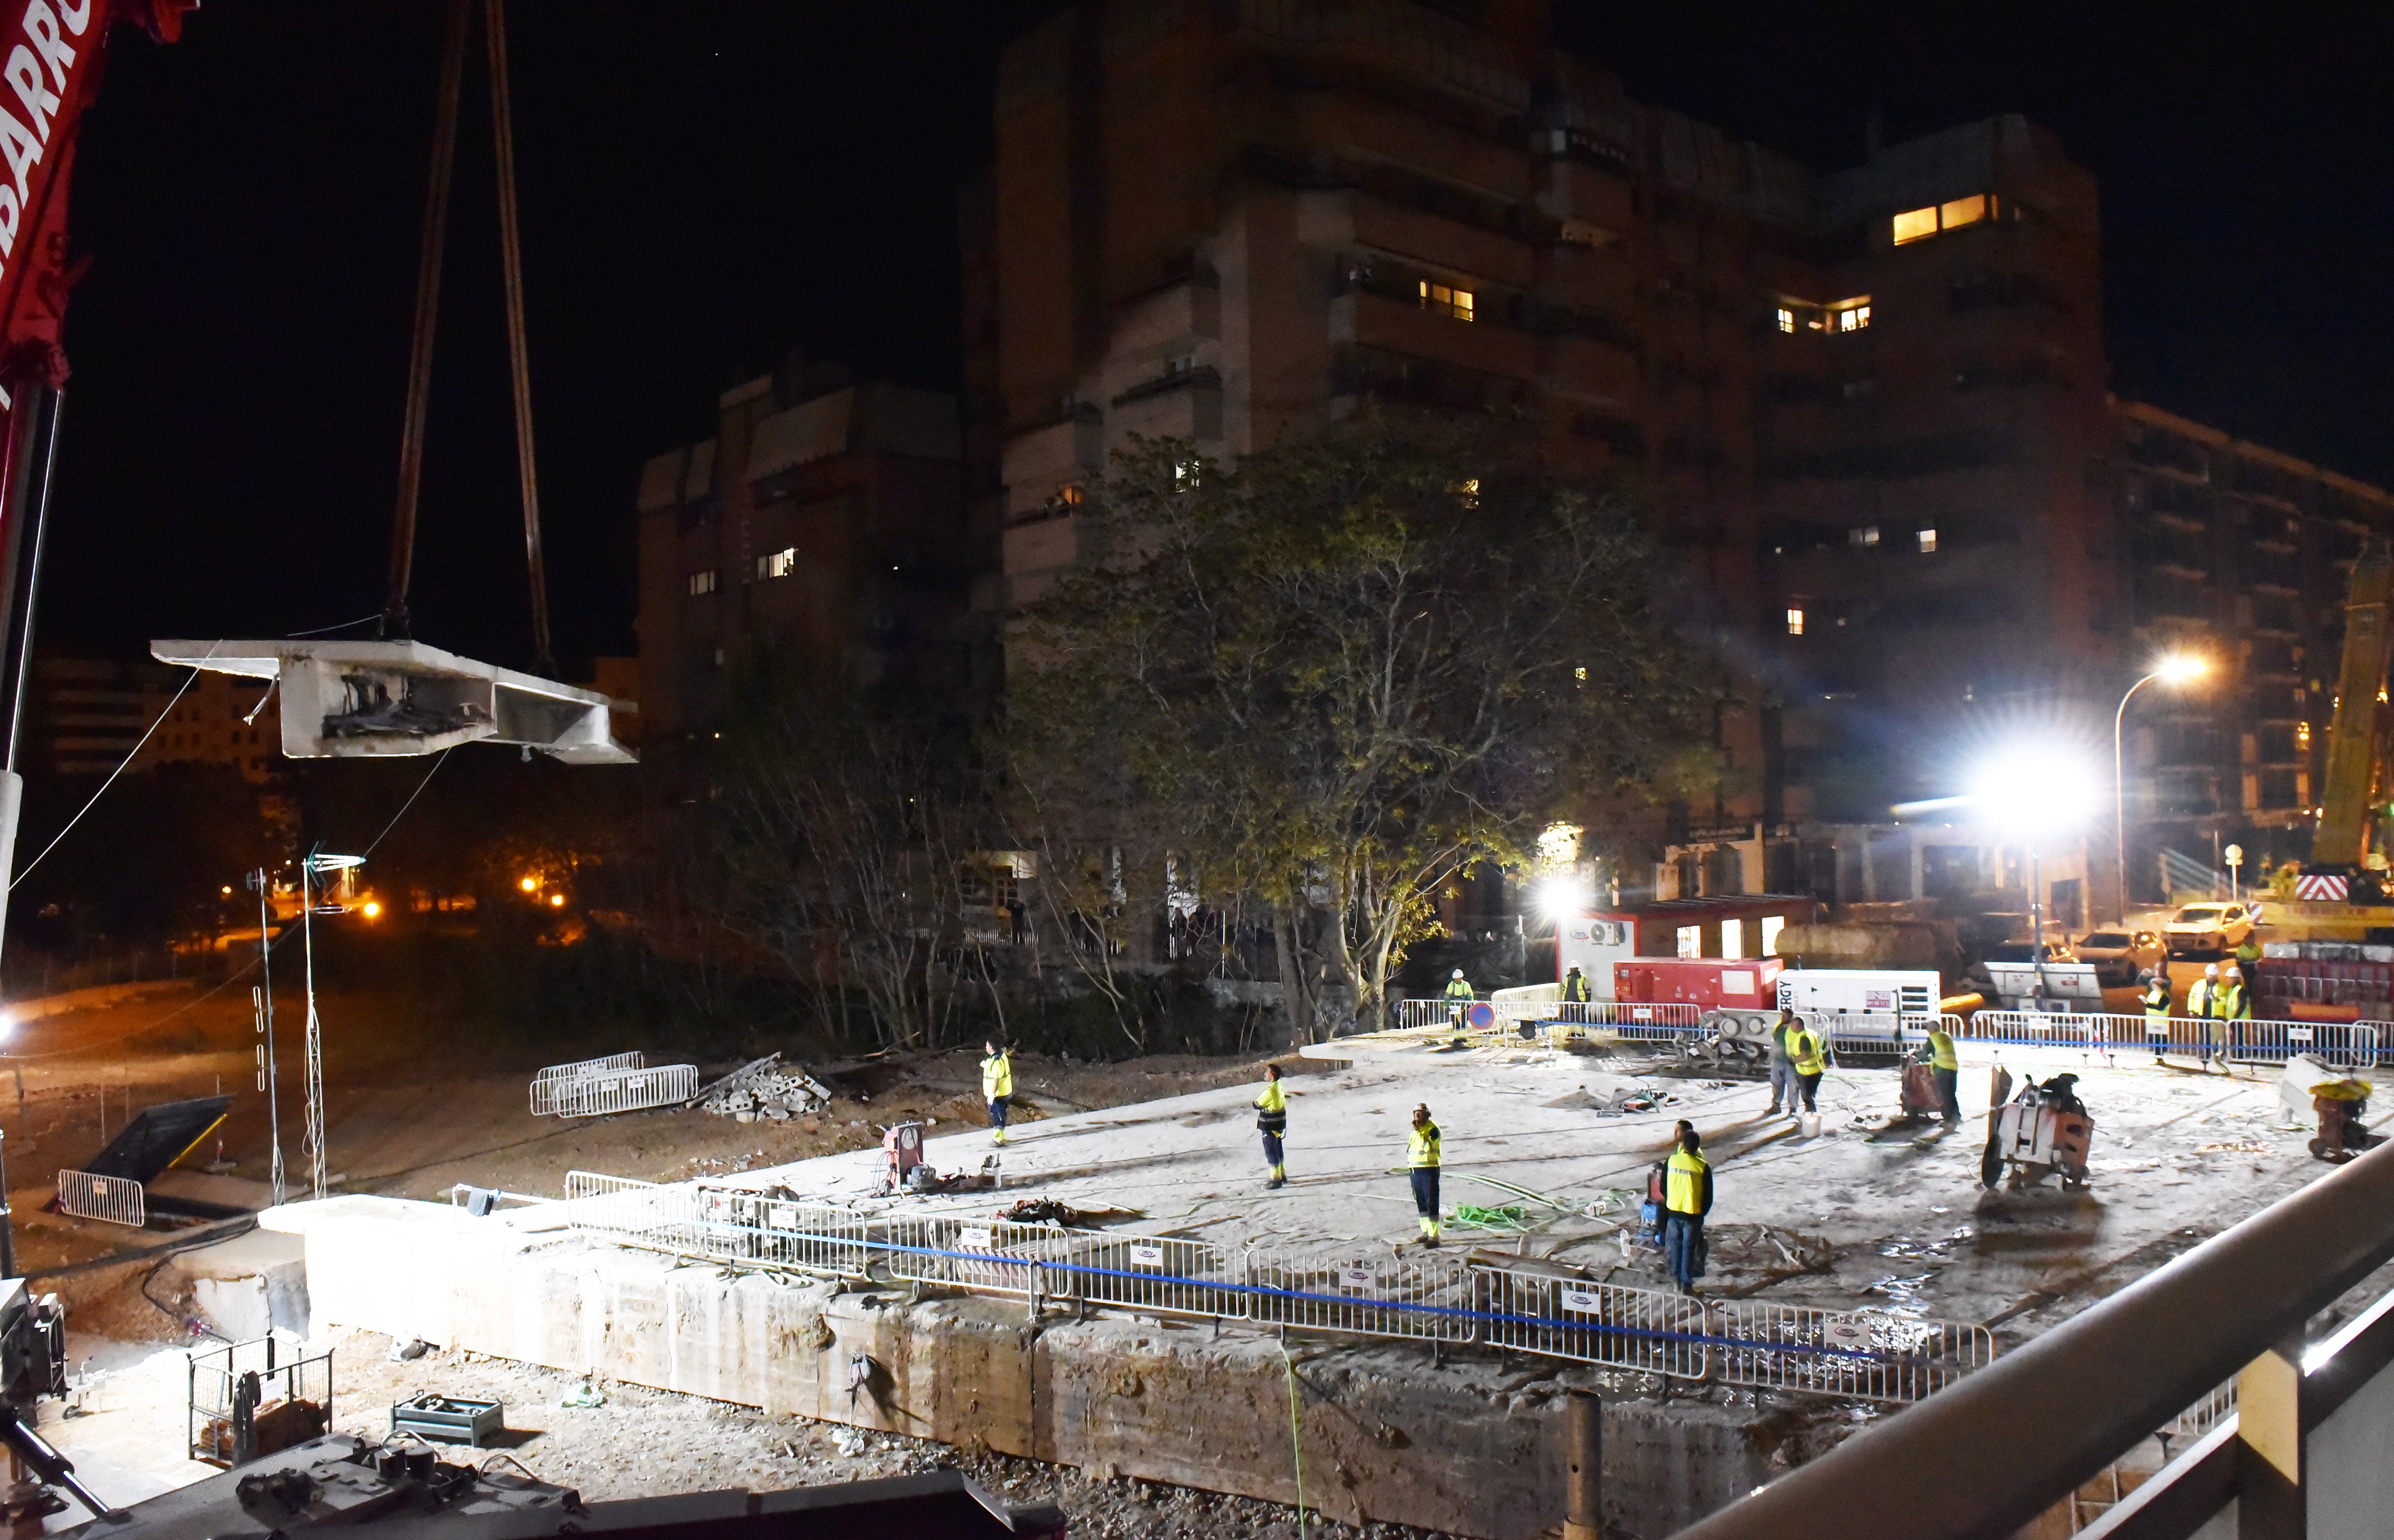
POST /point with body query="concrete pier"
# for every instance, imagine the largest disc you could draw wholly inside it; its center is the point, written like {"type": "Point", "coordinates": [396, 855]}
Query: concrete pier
{"type": "Point", "coordinates": [1472, 1447]}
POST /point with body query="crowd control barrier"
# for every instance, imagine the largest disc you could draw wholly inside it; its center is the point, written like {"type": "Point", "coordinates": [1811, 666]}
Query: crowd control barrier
{"type": "Point", "coordinates": [1443, 1300]}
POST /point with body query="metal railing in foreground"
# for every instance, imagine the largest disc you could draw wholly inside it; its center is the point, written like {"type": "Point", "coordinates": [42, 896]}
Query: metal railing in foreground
{"type": "Point", "coordinates": [2014, 1440]}
{"type": "Point", "coordinates": [1441, 1299]}
{"type": "Point", "coordinates": [113, 1200]}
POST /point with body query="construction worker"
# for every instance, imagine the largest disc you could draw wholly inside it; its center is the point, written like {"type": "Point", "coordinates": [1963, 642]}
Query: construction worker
{"type": "Point", "coordinates": [2200, 1000]}
{"type": "Point", "coordinates": [1458, 997]}
{"type": "Point", "coordinates": [996, 1085]}
{"type": "Point", "coordinates": [2248, 954]}
{"type": "Point", "coordinates": [1421, 1158]}
{"type": "Point", "coordinates": [1271, 1120]}
{"type": "Point", "coordinates": [1782, 1064]}
{"type": "Point", "coordinates": [1575, 988]}
{"type": "Point", "coordinates": [1687, 1198]}
{"type": "Point", "coordinates": [2157, 1010]}
{"type": "Point", "coordinates": [1945, 1068]}
{"type": "Point", "coordinates": [2231, 1003]}
{"type": "Point", "coordinates": [1811, 1057]}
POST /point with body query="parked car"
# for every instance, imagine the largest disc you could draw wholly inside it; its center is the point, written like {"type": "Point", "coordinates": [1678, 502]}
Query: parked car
{"type": "Point", "coordinates": [2120, 955]}
{"type": "Point", "coordinates": [2210, 926]}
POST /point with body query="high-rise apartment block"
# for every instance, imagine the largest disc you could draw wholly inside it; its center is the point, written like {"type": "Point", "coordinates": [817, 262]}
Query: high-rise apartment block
{"type": "Point", "coordinates": [1867, 407]}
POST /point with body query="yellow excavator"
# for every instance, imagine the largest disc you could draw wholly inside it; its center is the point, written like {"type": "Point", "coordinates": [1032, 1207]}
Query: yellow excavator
{"type": "Point", "coordinates": [2350, 798]}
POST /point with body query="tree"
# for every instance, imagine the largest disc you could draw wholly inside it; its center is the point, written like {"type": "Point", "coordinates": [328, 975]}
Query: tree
{"type": "Point", "coordinates": [1354, 666]}
{"type": "Point", "coordinates": [842, 834]}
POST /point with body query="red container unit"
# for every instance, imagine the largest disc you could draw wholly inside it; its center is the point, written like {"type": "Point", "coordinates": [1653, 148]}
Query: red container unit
{"type": "Point", "coordinates": [1712, 984]}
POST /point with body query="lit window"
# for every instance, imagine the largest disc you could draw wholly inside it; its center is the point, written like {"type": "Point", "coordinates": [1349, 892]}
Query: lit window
{"type": "Point", "coordinates": [1927, 539]}
{"type": "Point", "coordinates": [1185, 474]}
{"type": "Point", "coordinates": [1863, 534]}
{"type": "Point", "coordinates": [1787, 319]}
{"type": "Point", "coordinates": [1732, 939]}
{"type": "Point", "coordinates": [1069, 495]}
{"type": "Point", "coordinates": [1691, 940]}
{"type": "Point", "coordinates": [1446, 301]}
{"type": "Point", "coordinates": [780, 563]}
{"type": "Point", "coordinates": [702, 583]}
{"type": "Point", "coordinates": [1963, 211]}
{"type": "Point", "coordinates": [1853, 318]}
{"type": "Point", "coordinates": [1770, 928]}
{"type": "Point", "coordinates": [1916, 224]}
{"type": "Point", "coordinates": [1795, 622]}
{"type": "Point", "coordinates": [1467, 492]}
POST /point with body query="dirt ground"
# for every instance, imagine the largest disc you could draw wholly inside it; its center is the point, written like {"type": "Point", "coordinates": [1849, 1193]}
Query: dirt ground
{"type": "Point", "coordinates": [399, 1090]}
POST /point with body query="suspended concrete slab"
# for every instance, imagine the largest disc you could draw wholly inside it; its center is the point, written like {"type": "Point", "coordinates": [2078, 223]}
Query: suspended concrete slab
{"type": "Point", "coordinates": [346, 700]}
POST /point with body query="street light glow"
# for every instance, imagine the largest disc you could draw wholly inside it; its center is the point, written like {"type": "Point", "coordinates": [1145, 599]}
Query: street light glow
{"type": "Point", "coordinates": [2034, 789]}
{"type": "Point", "coordinates": [372, 909]}
{"type": "Point", "coordinates": [530, 885]}
{"type": "Point", "coordinates": [1560, 897]}
{"type": "Point", "coordinates": [2181, 668]}
{"type": "Point", "coordinates": [556, 901]}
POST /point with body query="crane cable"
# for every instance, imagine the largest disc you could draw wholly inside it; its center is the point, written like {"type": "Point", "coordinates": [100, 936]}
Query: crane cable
{"type": "Point", "coordinates": [428, 305]}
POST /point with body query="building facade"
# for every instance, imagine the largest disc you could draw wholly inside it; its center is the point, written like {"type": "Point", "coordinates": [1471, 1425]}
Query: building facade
{"type": "Point", "coordinates": [824, 518]}
{"type": "Point", "coordinates": [87, 716]}
{"type": "Point", "coordinates": [1867, 407]}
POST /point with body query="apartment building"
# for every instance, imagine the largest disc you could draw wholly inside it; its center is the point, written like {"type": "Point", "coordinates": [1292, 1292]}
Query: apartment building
{"type": "Point", "coordinates": [823, 518]}
{"type": "Point", "coordinates": [87, 716]}
{"type": "Point", "coordinates": [1860, 404]}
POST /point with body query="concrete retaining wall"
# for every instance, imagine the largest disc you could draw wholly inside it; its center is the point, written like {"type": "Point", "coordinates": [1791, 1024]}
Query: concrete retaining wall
{"type": "Point", "coordinates": [1472, 1447]}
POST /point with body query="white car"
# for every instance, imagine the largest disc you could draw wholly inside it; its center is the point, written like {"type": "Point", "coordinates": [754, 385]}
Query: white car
{"type": "Point", "coordinates": [2210, 926]}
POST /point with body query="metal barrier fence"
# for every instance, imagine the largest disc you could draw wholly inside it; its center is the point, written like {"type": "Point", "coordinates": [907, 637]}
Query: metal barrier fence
{"type": "Point", "coordinates": [546, 1084]}
{"type": "Point", "coordinates": [1868, 1355]}
{"type": "Point", "coordinates": [228, 1422]}
{"type": "Point", "coordinates": [1626, 1019]}
{"type": "Point", "coordinates": [626, 1090]}
{"type": "Point", "coordinates": [1446, 1301]}
{"type": "Point", "coordinates": [1641, 1329]}
{"type": "Point", "coordinates": [113, 1200]}
{"type": "Point", "coordinates": [2351, 1044]}
{"type": "Point", "coordinates": [1422, 1300]}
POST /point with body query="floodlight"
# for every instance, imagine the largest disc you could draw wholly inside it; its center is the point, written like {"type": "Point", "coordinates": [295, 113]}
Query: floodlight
{"type": "Point", "coordinates": [2032, 789]}
{"type": "Point", "coordinates": [1559, 898]}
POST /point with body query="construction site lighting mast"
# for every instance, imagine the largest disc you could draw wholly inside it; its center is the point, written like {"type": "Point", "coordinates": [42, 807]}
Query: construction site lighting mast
{"type": "Point", "coordinates": [2030, 794]}
{"type": "Point", "coordinates": [2177, 670]}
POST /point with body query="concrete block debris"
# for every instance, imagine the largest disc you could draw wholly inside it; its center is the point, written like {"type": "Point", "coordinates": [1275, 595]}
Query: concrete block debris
{"type": "Point", "coordinates": [1613, 1094]}
{"type": "Point", "coordinates": [765, 1089]}
{"type": "Point", "coordinates": [1048, 1211]}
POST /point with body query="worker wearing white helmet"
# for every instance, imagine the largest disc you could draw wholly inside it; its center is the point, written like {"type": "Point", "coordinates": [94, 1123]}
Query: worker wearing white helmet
{"type": "Point", "coordinates": [2203, 1003]}
{"type": "Point", "coordinates": [1458, 995]}
{"type": "Point", "coordinates": [2231, 1003]}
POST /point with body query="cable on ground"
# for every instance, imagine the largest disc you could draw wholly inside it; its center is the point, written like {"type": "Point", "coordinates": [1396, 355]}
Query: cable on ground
{"type": "Point", "coordinates": [1296, 1437]}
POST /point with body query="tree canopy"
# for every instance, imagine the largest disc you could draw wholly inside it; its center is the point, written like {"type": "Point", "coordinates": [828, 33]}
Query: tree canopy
{"type": "Point", "coordinates": [1340, 673]}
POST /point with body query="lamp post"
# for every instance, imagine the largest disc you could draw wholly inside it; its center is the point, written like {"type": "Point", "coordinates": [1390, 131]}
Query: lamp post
{"type": "Point", "coordinates": [2178, 668]}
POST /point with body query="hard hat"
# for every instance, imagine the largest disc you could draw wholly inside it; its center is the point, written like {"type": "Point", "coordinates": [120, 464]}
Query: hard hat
{"type": "Point", "coordinates": [2211, 970]}
{"type": "Point", "coordinates": [1458, 973]}
{"type": "Point", "coordinates": [2235, 972]}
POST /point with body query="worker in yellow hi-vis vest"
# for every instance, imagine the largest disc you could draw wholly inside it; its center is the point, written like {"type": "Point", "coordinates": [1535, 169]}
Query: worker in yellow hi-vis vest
{"type": "Point", "coordinates": [1421, 1159]}
{"type": "Point", "coordinates": [996, 1085]}
{"type": "Point", "coordinates": [1271, 1121]}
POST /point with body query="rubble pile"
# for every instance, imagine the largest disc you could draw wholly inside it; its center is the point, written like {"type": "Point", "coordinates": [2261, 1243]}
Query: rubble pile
{"type": "Point", "coordinates": [766, 1090]}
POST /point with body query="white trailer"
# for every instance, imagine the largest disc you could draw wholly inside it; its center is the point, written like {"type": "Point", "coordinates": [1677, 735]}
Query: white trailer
{"type": "Point", "coordinates": [1864, 1009]}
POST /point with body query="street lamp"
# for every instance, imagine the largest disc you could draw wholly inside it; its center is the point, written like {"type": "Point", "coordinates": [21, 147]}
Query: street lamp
{"type": "Point", "coordinates": [2176, 670]}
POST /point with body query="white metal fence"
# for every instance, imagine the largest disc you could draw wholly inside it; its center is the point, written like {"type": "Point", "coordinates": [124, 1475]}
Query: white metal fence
{"type": "Point", "coordinates": [2352, 1045]}
{"type": "Point", "coordinates": [622, 1088]}
{"type": "Point", "coordinates": [114, 1200]}
{"type": "Point", "coordinates": [1622, 1018]}
{"type": "Point", "coordinates": [545, 1086]}
{"type": "Point", "coordinates": [1444, 1300]}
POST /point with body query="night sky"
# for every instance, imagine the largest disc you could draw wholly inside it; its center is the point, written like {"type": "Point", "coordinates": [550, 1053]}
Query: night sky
{"type": "Point", "coordinates": [708, 182]}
